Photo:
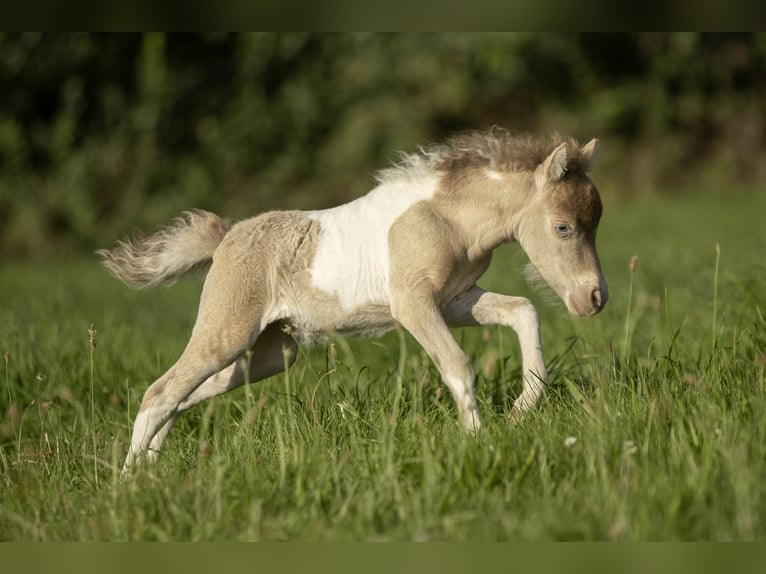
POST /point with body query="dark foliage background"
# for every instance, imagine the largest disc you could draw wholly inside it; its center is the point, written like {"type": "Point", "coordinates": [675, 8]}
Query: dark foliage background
{"type": "Point", "coordinates": [102, 133]}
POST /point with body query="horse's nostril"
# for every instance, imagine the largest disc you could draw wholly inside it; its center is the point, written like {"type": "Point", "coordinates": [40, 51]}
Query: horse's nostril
{"type": "Point", "coordinates": [595, 298]}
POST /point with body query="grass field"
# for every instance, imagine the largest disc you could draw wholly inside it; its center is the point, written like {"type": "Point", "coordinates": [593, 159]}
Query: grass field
{"type": "Point", "coordinates": [653, 426]}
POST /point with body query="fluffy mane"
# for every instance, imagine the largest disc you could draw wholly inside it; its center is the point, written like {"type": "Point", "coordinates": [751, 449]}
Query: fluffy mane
{"type": "Point", "coordinates": [495, 149]}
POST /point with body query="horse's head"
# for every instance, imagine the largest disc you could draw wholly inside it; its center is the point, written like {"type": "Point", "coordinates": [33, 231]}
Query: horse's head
{"type": "Point", "coordinates": [558, 231]}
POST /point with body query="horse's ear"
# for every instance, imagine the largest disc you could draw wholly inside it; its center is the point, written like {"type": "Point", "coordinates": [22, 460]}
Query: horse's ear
{"type": "Point", "coordinates": [554, 167]}
{"type": "Point", "coordinates": [588, 154]}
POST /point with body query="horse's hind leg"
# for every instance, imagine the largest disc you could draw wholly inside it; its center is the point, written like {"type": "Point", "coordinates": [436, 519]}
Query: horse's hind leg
{"type": "Point", "coordinates": [202, 358]}
{"type": "Point", "coordinates": [273, 352]}
{"type": "Point", "coordinates": [228, 323]}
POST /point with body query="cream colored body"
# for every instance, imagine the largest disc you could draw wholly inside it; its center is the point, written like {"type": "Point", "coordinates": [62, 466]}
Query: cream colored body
{"type": "Point", "coordinates": [409, 252]}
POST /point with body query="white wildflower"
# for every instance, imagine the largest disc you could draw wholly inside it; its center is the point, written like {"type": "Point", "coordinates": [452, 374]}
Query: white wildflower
{"type": "Point", "coordinates": [629, 447]}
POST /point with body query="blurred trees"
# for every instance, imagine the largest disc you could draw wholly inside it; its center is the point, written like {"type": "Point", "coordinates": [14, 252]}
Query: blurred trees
{"type": "Point", "coordinates": [100, 133]}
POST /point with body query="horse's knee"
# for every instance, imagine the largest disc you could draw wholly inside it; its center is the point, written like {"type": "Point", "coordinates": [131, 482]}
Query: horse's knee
{"type": "Point", "coordinates": [523, 313]}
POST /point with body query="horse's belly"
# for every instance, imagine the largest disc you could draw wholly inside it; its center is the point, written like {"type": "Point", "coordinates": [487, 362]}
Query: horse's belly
{"type": "Point", "coordinates": [315, 322]}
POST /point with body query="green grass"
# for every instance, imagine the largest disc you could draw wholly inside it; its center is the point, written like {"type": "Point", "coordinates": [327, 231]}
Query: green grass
{"type": "Point", "coordinates": [653, 426]}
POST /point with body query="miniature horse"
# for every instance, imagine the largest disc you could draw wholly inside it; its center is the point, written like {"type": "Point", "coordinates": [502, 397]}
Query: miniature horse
{"type": "Point", "coordinates": [408, 252]}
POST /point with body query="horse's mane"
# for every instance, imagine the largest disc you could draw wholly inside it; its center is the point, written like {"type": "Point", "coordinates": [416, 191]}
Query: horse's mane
{"type": "Point", "coordinates": [495, 149]}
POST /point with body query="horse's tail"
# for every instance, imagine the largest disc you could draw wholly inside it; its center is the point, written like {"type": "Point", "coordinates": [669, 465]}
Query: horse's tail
{"type": "Point", "coordinates": [186, 243]}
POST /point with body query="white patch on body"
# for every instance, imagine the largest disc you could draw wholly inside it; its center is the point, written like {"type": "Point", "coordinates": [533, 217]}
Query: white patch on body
{"type": "Point", "coordinates": [351, 261]}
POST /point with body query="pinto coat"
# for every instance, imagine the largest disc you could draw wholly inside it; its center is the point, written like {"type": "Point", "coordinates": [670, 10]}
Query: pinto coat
{"type": "Point", "coordinates": [409, 252]}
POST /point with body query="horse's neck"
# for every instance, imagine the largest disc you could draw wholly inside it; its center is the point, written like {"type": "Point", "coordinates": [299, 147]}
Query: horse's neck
{"type": "Point", "coordinates": [486, 211]}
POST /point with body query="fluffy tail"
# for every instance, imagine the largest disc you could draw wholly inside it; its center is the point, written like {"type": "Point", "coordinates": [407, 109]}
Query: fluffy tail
{"type": "Point", "coordinates": [186, 243]}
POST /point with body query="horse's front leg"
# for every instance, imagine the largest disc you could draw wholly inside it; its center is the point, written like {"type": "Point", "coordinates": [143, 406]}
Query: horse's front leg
{"type": "Point", "coordinates": [420, 315]}
{"type": "Point", "coordinates": [479, 307]}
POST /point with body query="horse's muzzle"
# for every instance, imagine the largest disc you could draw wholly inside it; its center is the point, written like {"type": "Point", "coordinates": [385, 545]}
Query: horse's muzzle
{"type": "Point", "coordinates": [588, 302]}
{"type": "Point", "coordinates": [598, 299]}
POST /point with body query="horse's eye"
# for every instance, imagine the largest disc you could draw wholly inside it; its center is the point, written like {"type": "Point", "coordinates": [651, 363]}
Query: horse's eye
{"type": "Point", "coordinates": [562, 229]}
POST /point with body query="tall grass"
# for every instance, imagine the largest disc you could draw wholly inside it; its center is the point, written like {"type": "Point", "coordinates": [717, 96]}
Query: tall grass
{"type": "Point", "coordinates": [92, 341]}
{"type": "Point", "coordinates": [649, 430]}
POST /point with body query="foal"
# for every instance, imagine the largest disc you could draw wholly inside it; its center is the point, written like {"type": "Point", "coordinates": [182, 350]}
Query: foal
{"type": "Point", "coordinates": [408, 252]}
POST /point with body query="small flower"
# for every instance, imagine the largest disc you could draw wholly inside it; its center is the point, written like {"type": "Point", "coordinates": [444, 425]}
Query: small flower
{"type": "Point", "coordinates": [92, 335]}
{"type": "Point", "coordinates": [570, 441]}
{"type": "Point", "coordinates": [633, 263]}
{"type": "Point", "coordinates": [629, 447]}
{"type": "Point", "coordinates": [7, 357]}
{"type": "Point", "coordinates": [41, 377]}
